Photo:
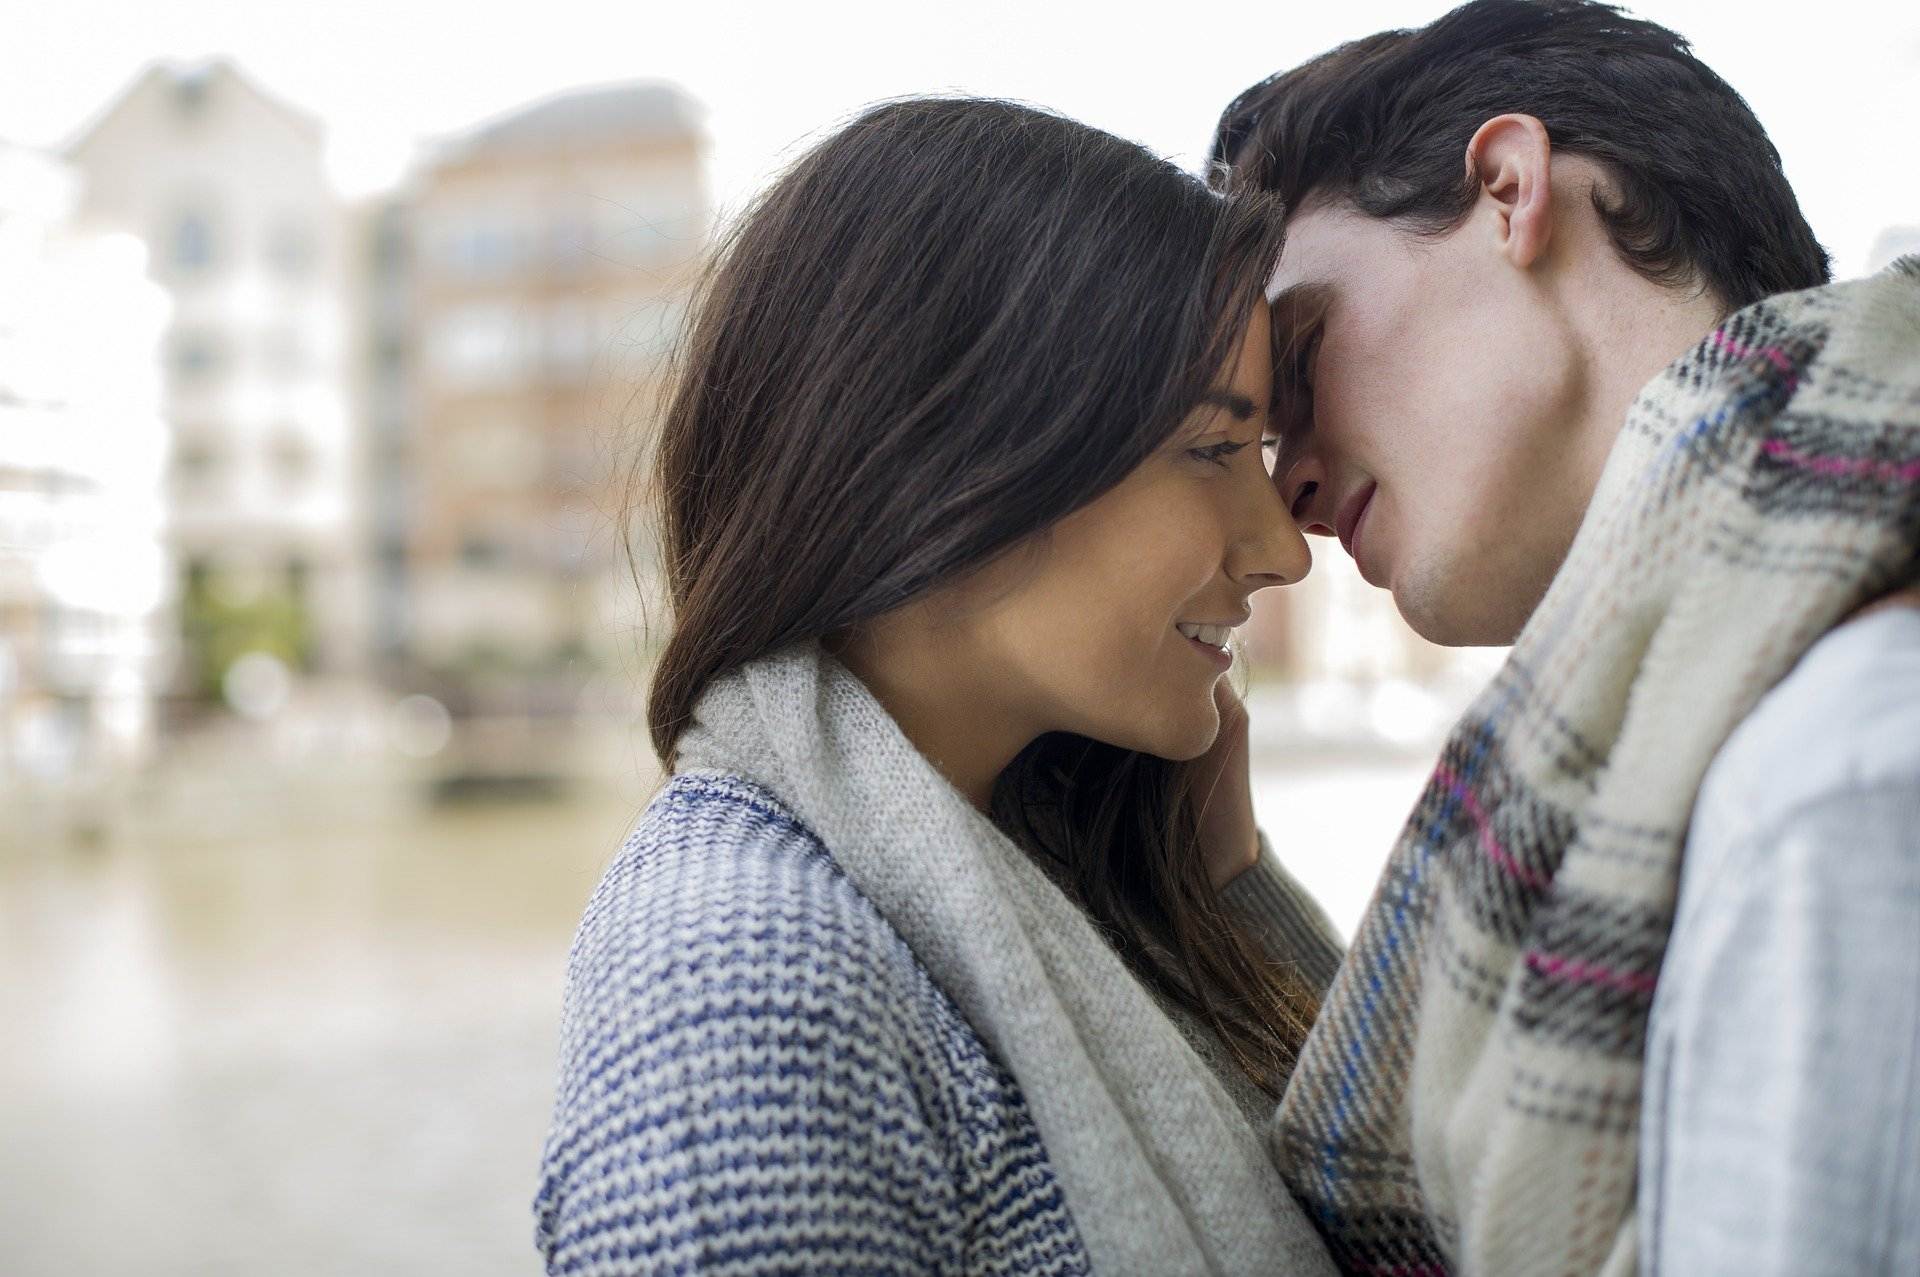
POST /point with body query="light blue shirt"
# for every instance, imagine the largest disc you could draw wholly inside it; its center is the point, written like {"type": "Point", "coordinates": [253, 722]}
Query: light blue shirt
{"type": "Point", "coordinates": [1781, 1127]}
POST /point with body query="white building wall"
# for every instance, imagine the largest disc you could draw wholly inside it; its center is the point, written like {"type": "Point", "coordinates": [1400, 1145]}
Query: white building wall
{"type": "Point", "coordinates": [83, 573]}
{"type": "Point", "coordinates": [228, 190]}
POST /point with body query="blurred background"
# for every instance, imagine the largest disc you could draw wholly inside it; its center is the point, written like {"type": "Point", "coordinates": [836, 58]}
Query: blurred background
{"type": "Point", "coordinates": [325, 335]}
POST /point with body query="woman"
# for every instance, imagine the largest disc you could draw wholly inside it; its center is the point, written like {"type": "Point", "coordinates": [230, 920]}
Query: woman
{"type": "Point", "coordinates": [918, 964]}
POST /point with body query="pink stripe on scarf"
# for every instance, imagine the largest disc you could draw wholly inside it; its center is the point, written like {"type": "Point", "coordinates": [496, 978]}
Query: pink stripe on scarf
{"type": "Point", "coordinates": [1489, 843]}
{"type": "Point", "coordinates": [1772, 354]}
{"type": "Point", "coordinates": [1850, 466]}
{"type": "Point", "coordinates": [1560, 968]}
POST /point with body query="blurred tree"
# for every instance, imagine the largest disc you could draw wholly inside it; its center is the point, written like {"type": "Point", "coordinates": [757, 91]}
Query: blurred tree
{"type": "Point", "coordinates": [220, 627]}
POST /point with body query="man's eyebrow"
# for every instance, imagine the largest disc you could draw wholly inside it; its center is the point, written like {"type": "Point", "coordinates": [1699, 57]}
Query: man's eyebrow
{"type": "Point", "coordinates": [1297, 312]}
{"type": "Point", "coordinates": [1299, 305]}
{"type": "Point", "coordinates": [1233, 401]}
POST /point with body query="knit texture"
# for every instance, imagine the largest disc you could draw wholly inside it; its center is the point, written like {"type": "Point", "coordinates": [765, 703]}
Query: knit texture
{"type": "Point", "coordinates": [1469, 1099]}
{"type": "Point", "coordinates": [1160, 1170]}
{"type": "Point", "coordinates": [757, 1076]}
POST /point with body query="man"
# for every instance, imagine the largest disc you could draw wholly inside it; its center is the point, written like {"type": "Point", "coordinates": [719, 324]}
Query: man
{"type": "Point", "coordinates": [1554, 382]}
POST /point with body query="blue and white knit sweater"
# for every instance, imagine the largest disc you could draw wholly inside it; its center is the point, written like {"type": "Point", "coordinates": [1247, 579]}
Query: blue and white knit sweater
{"type": "Point", "coordinates": [758, 1076]}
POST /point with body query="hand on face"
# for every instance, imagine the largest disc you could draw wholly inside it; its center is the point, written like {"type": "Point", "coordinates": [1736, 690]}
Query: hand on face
{"type": "Point", "coordinates": [1222, 791]}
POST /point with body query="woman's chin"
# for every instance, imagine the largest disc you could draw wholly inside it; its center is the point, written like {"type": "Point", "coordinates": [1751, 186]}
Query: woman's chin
{"type": "Point", "coordinates": [1180, 735]}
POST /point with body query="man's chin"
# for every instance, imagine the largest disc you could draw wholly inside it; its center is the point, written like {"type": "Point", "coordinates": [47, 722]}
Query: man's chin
{"type": "Point", "coordinates": [1447, 611]}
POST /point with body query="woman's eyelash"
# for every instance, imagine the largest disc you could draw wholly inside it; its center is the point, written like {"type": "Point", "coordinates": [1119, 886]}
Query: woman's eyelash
{"type": "Point", "coordinates": [1217, 453]}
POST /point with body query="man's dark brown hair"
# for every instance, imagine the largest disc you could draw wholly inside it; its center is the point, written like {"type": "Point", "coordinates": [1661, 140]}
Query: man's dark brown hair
{"type": "Point", "coordinates": [1697, 195]}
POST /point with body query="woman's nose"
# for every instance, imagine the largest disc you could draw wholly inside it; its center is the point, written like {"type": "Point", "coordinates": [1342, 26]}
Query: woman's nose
{"type": "Point", "coordinates": [1270, 549]}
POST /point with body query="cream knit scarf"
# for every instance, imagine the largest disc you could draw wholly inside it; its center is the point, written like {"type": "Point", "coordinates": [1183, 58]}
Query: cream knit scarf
{"type": "Point", "coordinates": [1161, 1171]}
{"type": "Point", "coordinates": [1469, 1100]}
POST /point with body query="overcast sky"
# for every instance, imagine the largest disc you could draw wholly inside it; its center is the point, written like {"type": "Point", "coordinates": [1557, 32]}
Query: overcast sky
{"type": "Point", "coordinates": [1839, 88]}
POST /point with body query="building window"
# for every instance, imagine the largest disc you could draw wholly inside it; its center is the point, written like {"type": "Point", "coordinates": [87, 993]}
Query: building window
{"type": "Point", "coordinates": [291, 249]}
{"type": "Point", "coordinates": [481, 246]}
{"type": "Point", "coordinates": [190, 93]}
{"type": "Point", "coordinates": [500, 453]}
{"type": "Point", "coordinates": [191, 242]}
{"type": "Point", "coordinates": [479, 345]}
{"type": "Point", "coordinates": [196, 463]}
{"type": "Point", "coordinates": [482, 552]}
{"type": "Point", "coordinates": [292, 459]}
{"type": "Point", "coordinates": [196, 457]}
{"type": "Point", "coordinates": [389, 355]}
{"type": "Point", "coordinates": [572, 340]}
{"type": "Point", "coordinates": [388, 258]}
{"type": "Point", "coordinates": [569, 241]}
{"type": "Point", "coordinates": [194, 355]}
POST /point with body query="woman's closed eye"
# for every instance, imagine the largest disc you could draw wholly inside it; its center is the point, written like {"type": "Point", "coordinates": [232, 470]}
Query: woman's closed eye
{"type": "Point", "coordinates": [1217, 453]}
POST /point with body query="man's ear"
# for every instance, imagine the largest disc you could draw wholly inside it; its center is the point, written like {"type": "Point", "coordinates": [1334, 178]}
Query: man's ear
{"type": "Point", "coordinates": [1509, 160]}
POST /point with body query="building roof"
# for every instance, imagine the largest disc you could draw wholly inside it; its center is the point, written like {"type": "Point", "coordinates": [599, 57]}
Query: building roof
{"type": "Point", "coordinates": [187, 78]}
{"type": "Point", "coordinates": [626, 112]}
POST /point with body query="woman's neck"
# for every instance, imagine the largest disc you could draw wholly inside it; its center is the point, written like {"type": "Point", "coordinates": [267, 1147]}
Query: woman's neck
{"type": "Point", "coordinates": [938, 703]}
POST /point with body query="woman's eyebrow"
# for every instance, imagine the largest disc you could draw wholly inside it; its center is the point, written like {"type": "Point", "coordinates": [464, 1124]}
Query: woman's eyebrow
{"type": "Point", "coordinates": [1233, 401]}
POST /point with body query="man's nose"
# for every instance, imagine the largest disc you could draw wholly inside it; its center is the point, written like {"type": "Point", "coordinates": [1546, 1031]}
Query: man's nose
{"type": "Point", "coordinates": [1304, 487]}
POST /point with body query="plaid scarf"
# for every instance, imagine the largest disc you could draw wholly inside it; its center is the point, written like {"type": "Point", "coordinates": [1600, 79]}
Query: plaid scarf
{"type": "Point", "coordinates": [1470, 1098]}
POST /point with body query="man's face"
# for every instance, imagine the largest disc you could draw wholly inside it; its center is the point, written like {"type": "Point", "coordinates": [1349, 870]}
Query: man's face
{"type": "Point", "coordinates": [1440, 438]}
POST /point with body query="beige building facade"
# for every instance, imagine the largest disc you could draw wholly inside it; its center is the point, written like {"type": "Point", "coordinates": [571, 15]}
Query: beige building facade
{"type": "Point", "coordinates": [550, 255]}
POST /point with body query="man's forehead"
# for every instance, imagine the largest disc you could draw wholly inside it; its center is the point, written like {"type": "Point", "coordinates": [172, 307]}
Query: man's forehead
{"type": "Point", "coordinates": [1310, 254]}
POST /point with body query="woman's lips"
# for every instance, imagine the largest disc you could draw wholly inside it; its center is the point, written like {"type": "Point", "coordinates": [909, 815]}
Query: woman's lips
{"type": "Point", "coordinates": [1210, 639]}
{"type": "Point", "coordinates": [1221, 657]}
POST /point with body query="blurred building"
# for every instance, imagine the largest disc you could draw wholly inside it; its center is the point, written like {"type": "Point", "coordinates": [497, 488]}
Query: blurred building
{"type": "Point", "coordinates": [1335, 667]}
{"type": "Point", "coordinates": [547, 256]}
{"type": "Point", "coordinates": [1333, 625]}
{"type": "Point", "coordinates": [82, 453]}
{"type": "Point", "coordinates": [225, 185]}
{"type": "Point", "coordinates": [383, 376]}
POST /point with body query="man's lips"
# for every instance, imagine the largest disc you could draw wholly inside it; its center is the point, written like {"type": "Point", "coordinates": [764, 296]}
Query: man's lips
{"type": "Point", "coordinates": [1348, 521]}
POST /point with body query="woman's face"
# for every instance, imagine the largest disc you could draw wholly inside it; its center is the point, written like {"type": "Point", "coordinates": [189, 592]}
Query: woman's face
{"type": "Point", "coordinates": [1115, 624]}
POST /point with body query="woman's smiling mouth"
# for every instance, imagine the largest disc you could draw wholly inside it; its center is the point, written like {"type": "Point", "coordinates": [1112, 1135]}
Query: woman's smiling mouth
{"type": "Point", "coordinates": [1209, 640]}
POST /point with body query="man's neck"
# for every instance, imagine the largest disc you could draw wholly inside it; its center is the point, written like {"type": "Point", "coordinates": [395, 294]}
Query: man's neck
{"type": "Point", "coordinates": [1668, 330]}
{"type": "Point", "coordinates": [1635, 332]}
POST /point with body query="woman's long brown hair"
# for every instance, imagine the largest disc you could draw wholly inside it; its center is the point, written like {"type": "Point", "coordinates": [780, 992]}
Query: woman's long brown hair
{"type": "Point", "coordinates": [945, 328]}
